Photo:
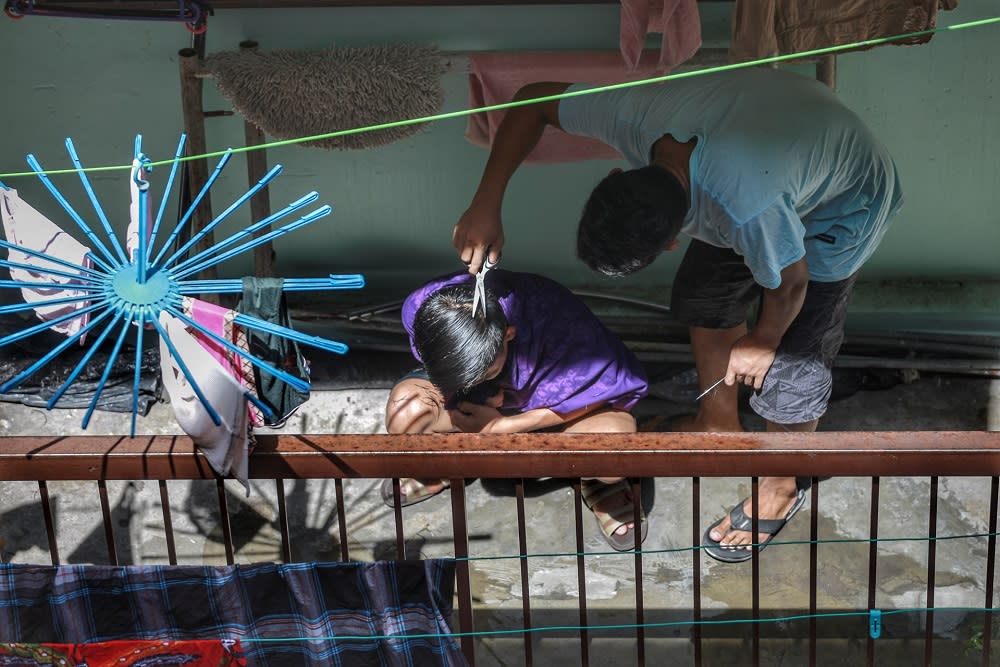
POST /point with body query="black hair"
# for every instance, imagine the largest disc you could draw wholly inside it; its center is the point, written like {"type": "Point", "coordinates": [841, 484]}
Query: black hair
{"type": "Point", "coordinates": [457, 349]}
{"type": "Point", "coordinates": [629, 219]}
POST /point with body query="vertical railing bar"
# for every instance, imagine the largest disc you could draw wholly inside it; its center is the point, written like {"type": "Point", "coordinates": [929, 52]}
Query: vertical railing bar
{"type": "Point", "coordinates": [640, 631]}
{"type": "Point", "coordinates": [581, 574]}
{"type": "Point", "coordinates": [696, 565]}
{"type": "Point", "coordinates": [168, 524]}
{"type": "Point", "coordinates": [50, 526]}
{"type": "Point", "coordinates": [109, 535]}
{"type": "Point", "coordinates": [931, 566]}
{"type": "Point", "coordinates": [755, 568]}
{"type": "Point", "coordinates": [283, 531]}
{"type": "Point", "coordinates": [991, 552]}
{"type": "Point", "coordinates": [522, 544]}
{"type": "Point", "coordinates": [227, 533]}
{"type": "Point", "coordinates": [338, 485]}
{"type": "Point", "coordinates": [813, 566]}
{"type": "Point", "coordinates": [872, 564]}
{"type": "Point", "coordinates": [462, 574]}
{"type": "Point", "coordinates": [397, 510]}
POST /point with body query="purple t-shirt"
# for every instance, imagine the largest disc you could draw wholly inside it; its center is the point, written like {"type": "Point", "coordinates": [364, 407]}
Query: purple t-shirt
{"type": "Point", "coordinates": [562, 357]}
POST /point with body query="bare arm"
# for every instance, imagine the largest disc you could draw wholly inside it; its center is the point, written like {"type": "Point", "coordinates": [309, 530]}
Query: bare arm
{"type": "Point", "coordinates": [481, 226]}
{"type": "Point", "coordinates": [475, 418]}
{"type": "Point", "coordinates": [753, 354]}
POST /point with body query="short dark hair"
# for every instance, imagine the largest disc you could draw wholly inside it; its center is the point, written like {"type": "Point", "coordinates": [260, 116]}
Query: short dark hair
{"type": "Point", "coordinates": [457, 349]}
{"type": "Point", "coordinates": [629, 219]}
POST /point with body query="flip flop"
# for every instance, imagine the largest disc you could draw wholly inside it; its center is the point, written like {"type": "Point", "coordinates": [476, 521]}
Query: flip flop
{"type": "Point", "coordinates": [411, 491]}
{"type": "Point", "coordinates": [740, 521]}
{"type": "Point", "coordinates": [594, 492]}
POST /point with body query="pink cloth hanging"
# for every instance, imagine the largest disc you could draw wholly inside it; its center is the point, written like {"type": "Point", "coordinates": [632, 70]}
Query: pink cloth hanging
{"type": "Point", "coordinates": [495, 78]}
{"type": "Point", "coordinates": [678, 20]}
{"type": "Point", "coordinates": [219, 321]}
{"type": "Point", "coordinates": [26, 227]}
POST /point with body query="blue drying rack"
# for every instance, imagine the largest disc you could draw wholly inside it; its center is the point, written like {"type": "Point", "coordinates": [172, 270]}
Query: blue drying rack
{"type": "Point", "coordinates": [125, 293]}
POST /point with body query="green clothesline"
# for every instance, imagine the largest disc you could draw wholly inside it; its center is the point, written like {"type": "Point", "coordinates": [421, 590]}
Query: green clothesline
{"type": "Point", "coordinates": [769, 543]}
{"type": "Point", "coordinates": [869, 614]}
{"type": "Point", "coordinates": [874, 615]}
{"type": "Point", "coordinates": [508, 105]}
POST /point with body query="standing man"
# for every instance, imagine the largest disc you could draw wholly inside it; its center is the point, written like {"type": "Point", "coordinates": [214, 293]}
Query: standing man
{"type": "Point", "coordinates": [785, 194]}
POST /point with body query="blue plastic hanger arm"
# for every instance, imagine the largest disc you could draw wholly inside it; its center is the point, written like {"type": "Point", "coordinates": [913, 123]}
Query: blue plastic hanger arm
{"type": "Point", "coordinates": [166, 192]}
{"type": "Point", "coordinates": [88, 232]}
{"type": "Point", "coordinates": [296, 383]}
{"type": "Point", "coordinates": [85, 359]}
{"type": "Point", "coordinates": [165, 337]}
{"type": "Point", "coordinates": [249, 231]}
{"type": "Point", "coordinates": [53, 353]}
{"type": "Point", "coordinates": [194, 205]}
{"type": "Point", "coordinates": [71, 149]}
{"type": "Point", "coordinates": [222, 216]}
{"type": "Point", "coordinates": [281, 231]}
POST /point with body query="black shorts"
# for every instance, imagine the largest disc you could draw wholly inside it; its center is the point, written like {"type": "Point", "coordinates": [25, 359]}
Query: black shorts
{"type": "Point", "coordinates": [714, 289]}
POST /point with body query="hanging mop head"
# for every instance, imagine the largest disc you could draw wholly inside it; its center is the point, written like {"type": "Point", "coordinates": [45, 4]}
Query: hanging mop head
{"type": "Point", "coordinates": [299, 93]}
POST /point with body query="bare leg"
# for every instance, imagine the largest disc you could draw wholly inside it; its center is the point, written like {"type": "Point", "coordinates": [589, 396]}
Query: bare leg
{"type": "Point", "coordinates": [718, 410]}
{"type": "Point", "coordinates": [606, 421]}
{"type": "Point", "coordinates": [416, 406]}
{"type": "Point", "coordinates": [775, 498]}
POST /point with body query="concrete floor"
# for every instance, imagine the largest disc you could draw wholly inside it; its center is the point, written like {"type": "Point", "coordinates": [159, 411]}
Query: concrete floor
{"type": "Point", "coordinates": [927, 403]}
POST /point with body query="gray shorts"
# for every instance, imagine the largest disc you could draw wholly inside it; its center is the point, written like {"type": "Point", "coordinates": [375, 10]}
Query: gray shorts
{"type": "Point", "coordinates": [714, 289]}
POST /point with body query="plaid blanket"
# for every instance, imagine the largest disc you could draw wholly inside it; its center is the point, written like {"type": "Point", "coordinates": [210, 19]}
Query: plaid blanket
{"type": "Point", "coordinates": [310, 614]}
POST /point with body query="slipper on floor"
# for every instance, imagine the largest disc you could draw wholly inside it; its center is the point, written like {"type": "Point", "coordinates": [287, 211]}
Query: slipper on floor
{"type": "Point", "coordinates": [740, 521]}
{"type": "Point", "coordinates": [620, 514]}
{"type": "Point", "coordinates": [411, 491]}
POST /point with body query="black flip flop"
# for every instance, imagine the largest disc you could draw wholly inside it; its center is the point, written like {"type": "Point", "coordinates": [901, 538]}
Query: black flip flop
{"type": "Point", "coordinates": [740, 521]}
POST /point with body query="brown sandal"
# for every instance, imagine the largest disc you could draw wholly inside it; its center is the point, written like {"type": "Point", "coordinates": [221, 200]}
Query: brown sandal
{"type": "Point", "coordinates": [411, 491]}
{"type": "Point", "coordinates": [620, 513]}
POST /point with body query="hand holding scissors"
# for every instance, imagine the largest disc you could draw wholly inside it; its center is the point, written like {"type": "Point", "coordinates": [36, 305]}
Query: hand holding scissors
{"type": "Point", "coordinates": [479, 296]}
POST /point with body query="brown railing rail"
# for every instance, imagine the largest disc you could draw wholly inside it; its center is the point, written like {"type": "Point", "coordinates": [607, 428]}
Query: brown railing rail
{"type": "Point", "coordinates": [929, 454]}
{"type": "Point", "coordinates": [862, 453]}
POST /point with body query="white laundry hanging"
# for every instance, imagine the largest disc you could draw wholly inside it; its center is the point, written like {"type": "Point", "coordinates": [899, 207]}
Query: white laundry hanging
{"type": "Point", "coordinates": [226, 445]}
{"type": "Point", "coordinates": [26, 227]}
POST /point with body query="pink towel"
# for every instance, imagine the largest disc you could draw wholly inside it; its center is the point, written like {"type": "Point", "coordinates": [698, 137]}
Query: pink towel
{"type": "Point", "coordinates": [495, 78]}
{"type": "Point", "coordinates": [678, 20]}
{"type": "Point", "coordinates": [28, 228]}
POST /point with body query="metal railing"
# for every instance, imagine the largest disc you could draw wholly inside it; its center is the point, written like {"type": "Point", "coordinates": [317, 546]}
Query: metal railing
{"type": "Point", "coordinates": [457, 457]}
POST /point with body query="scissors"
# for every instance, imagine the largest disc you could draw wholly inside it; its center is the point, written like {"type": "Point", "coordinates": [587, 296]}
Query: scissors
{"type": "Point", "coordinates": [479, 296]}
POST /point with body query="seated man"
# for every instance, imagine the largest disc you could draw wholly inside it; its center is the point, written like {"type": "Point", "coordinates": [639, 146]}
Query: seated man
{"type": "Point", "coordinates": [538, 358]}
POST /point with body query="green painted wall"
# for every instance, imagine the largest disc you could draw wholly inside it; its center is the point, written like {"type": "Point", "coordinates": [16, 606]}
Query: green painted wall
{"type": "Point", "coordinates": [936, 106]}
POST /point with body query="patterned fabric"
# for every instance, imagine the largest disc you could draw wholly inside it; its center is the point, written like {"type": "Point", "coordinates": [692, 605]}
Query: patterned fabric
{"type": "Point", "coordinates": [198, 653]}
{"type": "Point", "coordinates": [219, 321]}
{"type": "Point", "coordinates": [562, 357]}
{"type": "Point", "coordinates": [308, 614]}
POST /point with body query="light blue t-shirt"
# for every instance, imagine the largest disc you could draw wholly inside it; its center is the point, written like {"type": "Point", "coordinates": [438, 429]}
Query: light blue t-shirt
{"type": "Point", "coordinates": [782, 169]}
